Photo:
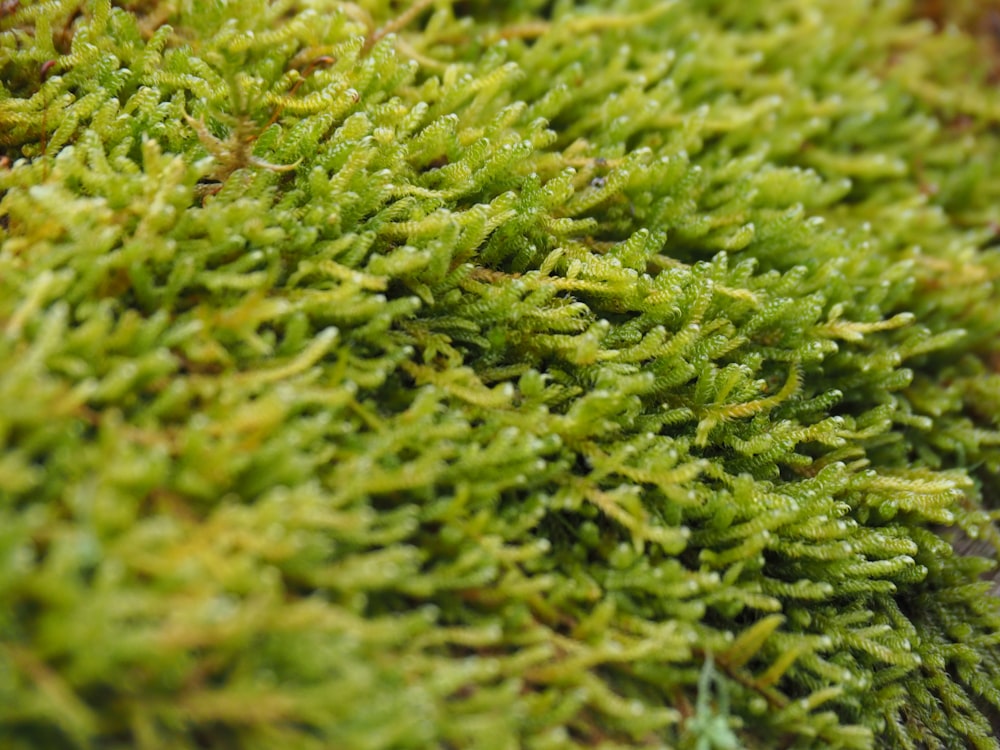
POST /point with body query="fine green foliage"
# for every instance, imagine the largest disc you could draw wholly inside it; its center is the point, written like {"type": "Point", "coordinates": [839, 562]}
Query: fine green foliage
{"type": "Point", "coordinates": [454, 374]}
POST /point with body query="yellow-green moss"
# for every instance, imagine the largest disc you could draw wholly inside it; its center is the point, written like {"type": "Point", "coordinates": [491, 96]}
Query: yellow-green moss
{"type": "Point", "coordinates": [496, 375]}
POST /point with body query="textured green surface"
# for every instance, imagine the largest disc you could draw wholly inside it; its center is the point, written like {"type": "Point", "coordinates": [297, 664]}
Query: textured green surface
{"type": "Point", "coordinates": [496, 375]}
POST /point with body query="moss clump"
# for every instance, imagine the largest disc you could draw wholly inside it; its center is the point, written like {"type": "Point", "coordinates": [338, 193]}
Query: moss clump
{"type": "Point", "coordinates": [497, 375]}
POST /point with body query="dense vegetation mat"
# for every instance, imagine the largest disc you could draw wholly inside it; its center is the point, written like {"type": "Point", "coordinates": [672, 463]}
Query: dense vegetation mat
{"type": "Point", "coordinates": [450, 374]}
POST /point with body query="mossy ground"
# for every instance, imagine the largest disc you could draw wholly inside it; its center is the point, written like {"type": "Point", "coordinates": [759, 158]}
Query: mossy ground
{"type": "Point", "coordinates": [465, 374]}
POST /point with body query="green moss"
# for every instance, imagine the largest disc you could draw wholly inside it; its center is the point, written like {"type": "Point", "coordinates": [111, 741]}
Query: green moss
{"type": "Point", "coordinates": [496, 375]}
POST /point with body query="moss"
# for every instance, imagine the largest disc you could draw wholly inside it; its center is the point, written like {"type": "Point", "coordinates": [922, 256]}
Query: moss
{"type": "Point", "coordinates": [466, 374]}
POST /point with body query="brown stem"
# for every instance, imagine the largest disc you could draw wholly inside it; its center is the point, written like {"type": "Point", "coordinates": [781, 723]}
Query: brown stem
{"type": "Point", "coordinates": [400, 22]}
